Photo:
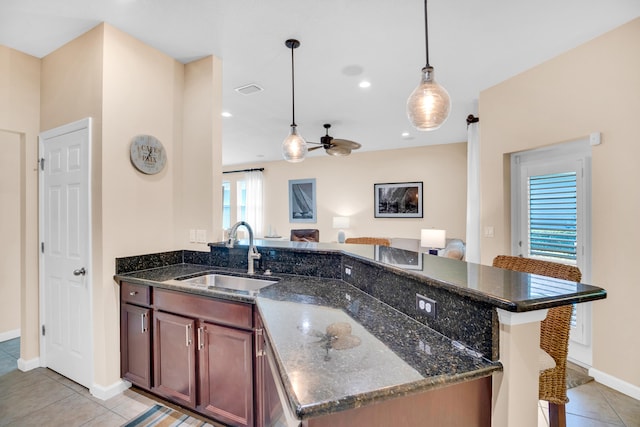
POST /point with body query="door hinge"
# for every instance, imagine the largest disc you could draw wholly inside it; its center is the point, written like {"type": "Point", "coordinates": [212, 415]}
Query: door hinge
{"type": "Point", "coordinates": [41, 161]}
{"type": "Point", "coordinates": [42, 247]}
{"type": "Point", "coordinates": [43, 330]}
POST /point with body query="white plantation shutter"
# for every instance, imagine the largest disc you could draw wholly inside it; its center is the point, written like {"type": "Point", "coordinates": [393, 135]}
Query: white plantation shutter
{"type": "Point", "coordinates": [553, 215]}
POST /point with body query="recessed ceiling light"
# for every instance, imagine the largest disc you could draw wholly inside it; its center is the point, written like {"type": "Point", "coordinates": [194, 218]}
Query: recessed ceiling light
{"type": "Point", "coordinates": [405, 134]}
{"type": "Point", "coordinates": [226, 114]}
{"type": "Point", "coordinates": [364, 84]}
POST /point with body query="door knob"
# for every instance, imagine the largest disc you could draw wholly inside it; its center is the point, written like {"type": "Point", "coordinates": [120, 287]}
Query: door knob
{"type": "Point", "coordinates": [79, 272]}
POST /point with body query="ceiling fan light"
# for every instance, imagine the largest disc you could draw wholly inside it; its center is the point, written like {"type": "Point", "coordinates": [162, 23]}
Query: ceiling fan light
{"type": "Point", "coordinates": [429, 104]}
{"type": "Point", "coordinates": [294, 147]}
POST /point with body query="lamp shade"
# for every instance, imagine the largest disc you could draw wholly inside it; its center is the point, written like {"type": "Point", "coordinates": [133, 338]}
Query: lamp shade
{"type": "Point", "coordinates": [431, 238]}
{"type": "Point", "coordinates": [340, 222]}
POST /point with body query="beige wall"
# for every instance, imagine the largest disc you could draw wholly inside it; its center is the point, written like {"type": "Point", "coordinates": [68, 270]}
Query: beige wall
{"type": "Point", "coordinates": [198, 200]}
{"type": "Point", "coordinates": [344, 187]}
{"type": "Point", "coordinates": [11, 164]}
{"type": "Point", "coordinates": [129, 89]}
{"type": "Point", "coordinates": [20, 115]}
{"type": "Point", "coordinates": [593, 88]}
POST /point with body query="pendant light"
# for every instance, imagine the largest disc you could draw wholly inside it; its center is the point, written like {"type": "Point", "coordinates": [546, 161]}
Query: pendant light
{"type": "Point", "coordinates": [294, 147]}
{"type": "Point", "coordinates": [429, 104]}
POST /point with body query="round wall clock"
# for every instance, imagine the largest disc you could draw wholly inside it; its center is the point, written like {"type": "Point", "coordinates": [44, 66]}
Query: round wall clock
{"type": "Point", "coordinates": [148, 154]}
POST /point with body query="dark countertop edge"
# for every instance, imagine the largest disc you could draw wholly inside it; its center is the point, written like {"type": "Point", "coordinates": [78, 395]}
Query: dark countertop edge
{"type": "Point", "coordinates": [497, 302]}
{"type": "Point", "coordinates": [391, 392]}
{"type": "Point", "coordinates": [505, 304]}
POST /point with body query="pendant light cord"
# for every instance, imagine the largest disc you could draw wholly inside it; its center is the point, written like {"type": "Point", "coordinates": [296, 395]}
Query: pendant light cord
{"type": "Point", "coordinates": [293, 91]}
{"type": "Point", "coordinates": [426, 33]}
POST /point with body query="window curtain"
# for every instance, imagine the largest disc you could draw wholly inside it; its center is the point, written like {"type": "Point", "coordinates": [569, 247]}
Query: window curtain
{"type": "Point", "coordinates": [254, 202]}
{"type": "Point", "coordinates": [472, 251]}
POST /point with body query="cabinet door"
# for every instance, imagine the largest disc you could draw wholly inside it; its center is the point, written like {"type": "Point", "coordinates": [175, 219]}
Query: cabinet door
{"type": "Point", "coordinates": [226, 373]}
{"type": "Point", "coordinates": [135, 345]}
{"type": "Point", "coordinates": [174, 358]}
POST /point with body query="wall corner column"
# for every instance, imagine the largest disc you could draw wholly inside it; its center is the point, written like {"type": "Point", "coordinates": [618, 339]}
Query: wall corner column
{"type": "Point", "coordinates": [515, 389]}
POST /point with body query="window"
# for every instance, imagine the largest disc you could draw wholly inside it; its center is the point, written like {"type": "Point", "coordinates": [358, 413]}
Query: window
{"type": "Point", "coordinates": [241, 199]}
{"type": "Point", "coordinates": [226, 205]}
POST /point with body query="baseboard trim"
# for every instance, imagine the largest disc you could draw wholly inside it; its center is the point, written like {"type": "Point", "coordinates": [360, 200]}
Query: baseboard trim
{"type": "Point", "coordinates": [9, 335]}
{"type": "Point", "coordinates": [27, 365]}
{"type": "Point", "coordinates": [615, 383]}
{"type": "Point", "coordinates": [105, 393]}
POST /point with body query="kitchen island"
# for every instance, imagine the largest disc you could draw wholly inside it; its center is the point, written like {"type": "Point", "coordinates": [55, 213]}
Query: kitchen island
{"type": "Point", "coordinates": [342, 327]}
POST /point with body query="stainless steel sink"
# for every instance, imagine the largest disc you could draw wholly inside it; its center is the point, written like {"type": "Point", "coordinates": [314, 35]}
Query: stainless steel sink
{"type": "Point", "coordinates": [237, 283]}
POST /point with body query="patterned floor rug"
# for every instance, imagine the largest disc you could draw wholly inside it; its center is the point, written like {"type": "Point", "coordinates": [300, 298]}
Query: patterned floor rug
{"type": "Point", "coordinates": [161, 416]}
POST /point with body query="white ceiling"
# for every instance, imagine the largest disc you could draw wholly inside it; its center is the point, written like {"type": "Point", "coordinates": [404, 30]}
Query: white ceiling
{"type": "Point", "coordinates": [474, 44]}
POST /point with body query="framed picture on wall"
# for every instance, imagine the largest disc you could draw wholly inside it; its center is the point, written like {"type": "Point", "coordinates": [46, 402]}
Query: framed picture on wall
{"type": "Point", "coordinates": [398, 200]}
{"type": "Point", "coordinates": [302, 200]}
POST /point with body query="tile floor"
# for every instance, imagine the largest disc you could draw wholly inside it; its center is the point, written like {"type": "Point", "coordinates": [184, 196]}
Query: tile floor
{"type": "Point", "coordinates": [42, 397]}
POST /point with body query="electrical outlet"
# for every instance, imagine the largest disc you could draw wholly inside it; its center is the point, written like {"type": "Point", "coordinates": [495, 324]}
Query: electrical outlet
{"type": "Point", "coordinates": [192, 236]}
{"type": "Point", "coordinates": [426, 305]}
{"type": "Point", "coordinates": [201, 236]}
{"type": "Point", "coordinates": [347, 270]}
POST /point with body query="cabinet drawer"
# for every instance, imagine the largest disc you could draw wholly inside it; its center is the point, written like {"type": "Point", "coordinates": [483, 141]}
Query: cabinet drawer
{"type": "Point", "coordinates": [213, 310]}
{"type": "Point", "coordinates": [135, 294]}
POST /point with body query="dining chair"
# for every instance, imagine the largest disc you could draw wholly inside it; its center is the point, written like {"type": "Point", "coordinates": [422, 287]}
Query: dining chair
{"type": "Point", "coordinates": [381, 241]}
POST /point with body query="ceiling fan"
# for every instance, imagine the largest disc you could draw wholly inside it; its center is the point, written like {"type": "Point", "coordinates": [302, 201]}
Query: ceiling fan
{"type": "Point", "coordinates": [334, 147]}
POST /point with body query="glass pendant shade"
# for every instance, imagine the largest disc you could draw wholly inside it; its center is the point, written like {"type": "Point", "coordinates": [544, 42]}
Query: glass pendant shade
{"type": "Point", "coordinates": [294, 147]}
{"type": "Point", "coordinates": [429, 104]}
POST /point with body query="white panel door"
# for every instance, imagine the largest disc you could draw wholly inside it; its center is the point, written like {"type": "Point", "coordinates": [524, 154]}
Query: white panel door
{"type": "Point", "coordinates": [573, 161]}
{"type": "Point", "coordinates": [65, 252]}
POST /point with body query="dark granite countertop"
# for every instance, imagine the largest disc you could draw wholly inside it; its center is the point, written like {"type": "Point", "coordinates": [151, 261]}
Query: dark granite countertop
{"type": "Point", "coordinates": [505, 289]}
{"type": "Point", "coordinates": [379, 353]}
{"type": "Point", "coordinates": [366, 296]}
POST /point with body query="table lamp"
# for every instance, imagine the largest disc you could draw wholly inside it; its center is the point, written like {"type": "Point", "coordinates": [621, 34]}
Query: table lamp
{"type": "Point", "coordinates": [341, 222]}
{"type": "Point", "coordinates": [433, 239]}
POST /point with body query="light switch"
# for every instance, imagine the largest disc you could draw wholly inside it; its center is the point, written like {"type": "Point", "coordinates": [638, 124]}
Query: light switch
{"type": "Point", "coordinates": [488, 231]}
{"type": "Point", "coordinates": [192, 235]}
{"type": "Point", "coordinates": [201, 236]}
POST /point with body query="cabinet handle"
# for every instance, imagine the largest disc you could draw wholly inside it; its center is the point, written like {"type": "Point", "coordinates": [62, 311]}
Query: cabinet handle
{"type": "Point", "coordinates": [200, 340]}
{"type": "Point", "coordinates": [188, 335]}
{"type": "Point", "coordinates": [133, 293]}
{"type": "Point", "coordinates": [143, 316]}
{"type": "Point", "coordinates": [259, 342]}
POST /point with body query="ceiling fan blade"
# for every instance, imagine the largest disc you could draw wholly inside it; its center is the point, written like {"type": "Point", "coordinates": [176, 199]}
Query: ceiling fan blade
{"type": "Point", "coordinates": [350, 145]}
{"type": "Point", "coordinates": [338, 150]}
{"type": "Point", "coordinates": [314, 148]}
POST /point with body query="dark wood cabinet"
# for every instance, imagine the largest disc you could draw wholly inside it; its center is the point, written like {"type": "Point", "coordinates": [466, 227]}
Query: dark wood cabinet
{"type": "Point", "coordinates": [135, 344]}
{"type": "Point", "coordinates": [174, 358]}
{"type": "Point", "coordinates": [226, 374]}
{"type": "Point", "coordinates": [135, 334]}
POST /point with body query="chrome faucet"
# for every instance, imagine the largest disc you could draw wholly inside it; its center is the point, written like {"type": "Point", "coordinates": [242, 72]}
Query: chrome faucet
{"type": "Point", "coordinates": [253, 252]}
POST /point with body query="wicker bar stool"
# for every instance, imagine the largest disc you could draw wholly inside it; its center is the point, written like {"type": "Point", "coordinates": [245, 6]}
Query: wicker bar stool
{"type": "Point", "coordinates": [554, 333]}
{"type": "Point", "coordinates": [369, 241]}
